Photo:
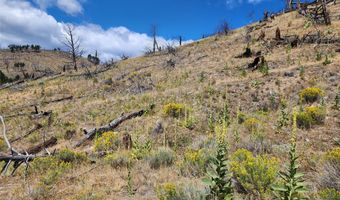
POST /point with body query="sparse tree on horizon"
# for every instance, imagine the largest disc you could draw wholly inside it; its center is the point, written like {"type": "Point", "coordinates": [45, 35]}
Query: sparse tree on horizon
{"type": "Point", "coordinates": [72, 43]}
{"type": "Point", "coordinates": [154, 35]}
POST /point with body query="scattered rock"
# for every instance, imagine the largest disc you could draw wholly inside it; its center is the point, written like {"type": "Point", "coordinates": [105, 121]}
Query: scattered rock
{"type": "Point", "coordinates": [69, 134]}
{"type": "Point", "coordinates": [289, 74]}
{"type": "Point", "coordinates": [107, 81]}
{"type": "Point", "coordinates": [158, 128]}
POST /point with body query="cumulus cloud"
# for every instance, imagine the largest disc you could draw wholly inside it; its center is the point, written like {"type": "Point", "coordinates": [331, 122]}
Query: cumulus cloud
{"type": "Point", "coordinates": [72, 7]}
{"type": "Point", "coordinates": [22, 23]}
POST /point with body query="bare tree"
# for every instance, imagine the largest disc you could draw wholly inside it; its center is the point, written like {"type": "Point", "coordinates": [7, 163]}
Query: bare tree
{"type": "Point", "coordinates": [72, 43]}
{"type": "Point", "coordinates": [223, 28]}
{"type": "Point", "coordinates": [154, 35]}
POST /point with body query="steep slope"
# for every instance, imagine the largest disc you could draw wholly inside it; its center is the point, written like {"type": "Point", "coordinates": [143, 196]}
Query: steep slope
{"type": "Point", "coordinates": [204, 76]}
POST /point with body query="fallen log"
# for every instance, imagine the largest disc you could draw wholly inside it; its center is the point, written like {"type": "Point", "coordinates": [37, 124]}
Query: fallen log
{"type": "Point", "coordinates": [48, 143]}
{"type": "Point", "coordinates": [89, 134]}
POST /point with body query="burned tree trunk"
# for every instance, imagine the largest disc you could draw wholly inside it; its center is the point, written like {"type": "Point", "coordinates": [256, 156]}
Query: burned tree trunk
{"type": "Point", "coordinates": [89, 134]}
{"type": "Point", "coordinates": [278, 34]}
{"type": "Point", "coordinates": [48, 143]}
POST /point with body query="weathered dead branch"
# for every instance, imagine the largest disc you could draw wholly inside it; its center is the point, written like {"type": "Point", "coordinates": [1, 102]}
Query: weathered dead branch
{"type": "Point", "coordinates": [89, 134]}
{"type": "Point", "coordinates": [38, 148]}
{"type": "Point", "coordinates": [15, 156]}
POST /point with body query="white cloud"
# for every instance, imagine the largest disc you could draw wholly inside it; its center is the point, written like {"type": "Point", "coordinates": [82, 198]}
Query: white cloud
{"type": "Point", "coordinates": [72, 7]}
{"type": "Point", "coordinates": [234, 3]}
{"type": "Point", "coordinates": [22, 23]}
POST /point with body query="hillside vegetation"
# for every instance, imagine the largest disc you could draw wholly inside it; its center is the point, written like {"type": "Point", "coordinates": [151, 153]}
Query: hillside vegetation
{"type": "Point", "coordinates": [197, 99]}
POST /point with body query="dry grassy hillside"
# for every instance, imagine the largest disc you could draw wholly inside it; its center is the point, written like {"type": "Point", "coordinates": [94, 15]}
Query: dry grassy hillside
{"type": "Point", "coordinates": [42, 62]}
{"type": "Point", "coordinates": [205, 77]}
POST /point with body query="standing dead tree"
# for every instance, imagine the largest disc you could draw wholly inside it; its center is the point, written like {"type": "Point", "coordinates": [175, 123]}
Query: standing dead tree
{"type": "Point", "coordinates": [223, 28]}
{"type": "Point", "coordinates": [72, 43]}
{"type": "Point", "coordinates": [154, 36]}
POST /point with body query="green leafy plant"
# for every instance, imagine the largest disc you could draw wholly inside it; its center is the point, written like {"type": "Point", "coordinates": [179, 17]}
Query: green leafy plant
{"type": "Point", "coordinates": [140, 150]}
{"type": "Point", "coordinates": [129, 180]}
{"type": "Point", "coordinates": [293, 183]}
{"type": "Point", "coordinates": [70, 156]}
{"type": "Point", "coordinates": [189, 120]}
{"type": "Point", "coordinates": [218, 176]}
{"type": "Point", "coordinates": [162, 157]}
{"type": "Point", "coordinates": [283, 118]}
{"type": "Point", "coordinates": [117, 160]}
{"type": "Point", "coordinates": [337, 101]}
{"type": "Point", "coordinates": [327, 61]}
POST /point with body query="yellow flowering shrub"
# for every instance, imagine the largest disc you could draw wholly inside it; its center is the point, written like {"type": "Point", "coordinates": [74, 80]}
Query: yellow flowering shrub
{"type": "Point", "coordinates": [317, 114]}
{"type": "Point", "coordinates": [312, 115]}
{"type": "Point", "coordinates": [194, 162]}
{"type": "Point", "coordinates": [252, 124]}
{"type": "Point", "coordinates": [333, 155]}
{"type": "Point", "coordinates": [311, 94]}
{"type": "Point", "coordinates": [329, 194]}
{"type": "Point", "coordinates": [108, 141]}
{"type": "Point", "coordinates": [174, 110]}
{"type": "Point", "coordinates": [256, 174]}
{"type": "Point", "coordinates": [168, 191]}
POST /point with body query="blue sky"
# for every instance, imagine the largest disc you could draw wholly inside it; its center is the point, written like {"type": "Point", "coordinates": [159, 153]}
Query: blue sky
{"type": "Point", "coordinates": [190, 18]}
{"type": "Point", "coordinates": [122, 27]}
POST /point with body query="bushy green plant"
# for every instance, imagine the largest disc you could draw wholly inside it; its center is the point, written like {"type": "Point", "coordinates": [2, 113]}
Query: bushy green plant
{"type": "Point", "coordinates": [117, 160]}
{"type": "Point", "coordinates": [256, 174]}
{"type": "Point", "coordinates": [333, 155]}
{"type": "Point", "coordinates": [175, 110]}
{"type": "Point", "coordinates": [162, 157]}
{"type": "Point", "coordinates": [194, 162]}
{"type": "Point", "coordinates": [329, 194]}
{"type": "Point", "coordinates": [317, 113]}
{"type": "Point", "coordinates": [326, 61]}
{"type": "Point", "coordinates": [109, 141]}
{"type": "Point", "coordinates": [70, 156]}
{"type": "Point", "coordinates": [304, 120]}
{"type": "Point", "coordinates": [264, 68]}
{"type": "Point", "coordinates": [51, 169]}
{"type": "Point", "coordinates": [312, 115]}
{"type": "Point", "coordinates": [311, 94]}
{"type": "Point", "coordinates": [172, 191]}
{"type": "Point", "coordinates": [169, 191]}
{"type": "Point", "coordinates": [337, 101]}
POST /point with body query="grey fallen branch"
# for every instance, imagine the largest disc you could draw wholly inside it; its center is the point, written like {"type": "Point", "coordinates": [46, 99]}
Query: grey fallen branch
{"type": "Point", "coordinates": [15, 156]}
{"type": "Point", "coordinates": [89, 134]}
